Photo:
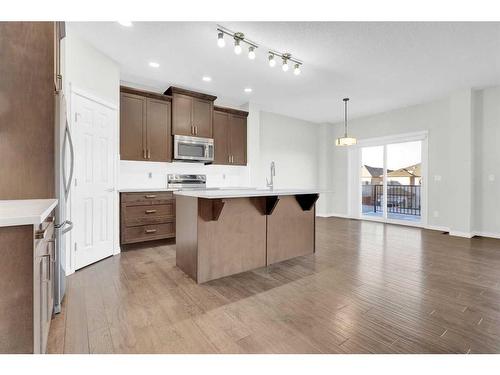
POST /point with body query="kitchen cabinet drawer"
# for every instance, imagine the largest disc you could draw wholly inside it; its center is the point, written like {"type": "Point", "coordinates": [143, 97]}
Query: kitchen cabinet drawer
{"type": "Point", "coordinates": [147, 198]}
{"type": "Point", "coordinates": [142, 215]}
{"type": "Point", "coordinates": [148, 232]}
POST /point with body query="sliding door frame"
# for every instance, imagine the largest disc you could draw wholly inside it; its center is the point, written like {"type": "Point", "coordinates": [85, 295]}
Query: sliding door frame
{"type": "Point", "coordinates": [354, 168]}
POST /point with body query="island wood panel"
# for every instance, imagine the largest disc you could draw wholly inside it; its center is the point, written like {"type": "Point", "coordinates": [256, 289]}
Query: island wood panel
{"type": "Point", "coordinates": [16, 289]}
{"type": "Point", "coordinates": [290, 231]}
{"type": "Point", "coordinates": [235, 242]}
{"type": "Point", "coordinates": [186, 241]}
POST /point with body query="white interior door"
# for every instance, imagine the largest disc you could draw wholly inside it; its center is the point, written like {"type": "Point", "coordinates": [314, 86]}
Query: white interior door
{"type": "Point", "coordinates": [94, 128]}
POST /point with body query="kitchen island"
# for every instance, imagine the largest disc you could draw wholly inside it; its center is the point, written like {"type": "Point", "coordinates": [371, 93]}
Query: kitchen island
{"type": "Point", "coordinates": [228, 231]}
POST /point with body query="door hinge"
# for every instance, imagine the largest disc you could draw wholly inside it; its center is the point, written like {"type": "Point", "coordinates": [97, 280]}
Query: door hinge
{"type": "Point", "coordinates": [76, 246]}
{"type": "Point", "coordinates": [76, 116]}
{"type": "Point", "coordinates": [76, 182]}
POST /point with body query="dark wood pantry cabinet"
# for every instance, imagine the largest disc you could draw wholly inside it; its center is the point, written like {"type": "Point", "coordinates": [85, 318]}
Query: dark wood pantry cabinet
{"type": "Point", "coordinates": [192, 112]}
{"type": "Point", "coordinates": [145, 125]}
{"type": "Point", "coordinates": [230, 136]}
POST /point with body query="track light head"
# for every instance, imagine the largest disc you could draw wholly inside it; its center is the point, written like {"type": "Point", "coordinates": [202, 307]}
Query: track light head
{"type": "Point", "coordinates": [272, 61]}
{"type": "Point", "coordinates": [251, 53]}
{"type": "Point", "coordinates": [296, 69]}
{"type": "Point", "coordinates": [220, 40]}
{"type": "Point", "coordinates": [285, 65]}
{"type": "Point", "coordinates": [286, 57]}
{"type": "Point", "coordinates": [238, 37]}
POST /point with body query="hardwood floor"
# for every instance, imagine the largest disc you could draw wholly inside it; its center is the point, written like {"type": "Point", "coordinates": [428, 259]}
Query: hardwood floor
{"type": "Point", "coordinates": [370, 288]}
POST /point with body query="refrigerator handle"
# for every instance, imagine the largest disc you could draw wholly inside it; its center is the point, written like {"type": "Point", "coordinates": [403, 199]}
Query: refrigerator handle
{"type": "Point", "coordinates": [67, 183]}
{"type": "Point", "coordinates": [70, 226]}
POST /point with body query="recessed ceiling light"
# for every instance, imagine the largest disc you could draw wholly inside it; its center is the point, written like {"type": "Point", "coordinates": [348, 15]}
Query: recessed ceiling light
{"type": "Point", "coordinates": [153, 64]}
{"type": "Point", "coordinates": [248, 89]}
{"type": "Point", "coordinates": [125, 23]}
{"type": "Point", "coordinates": [206, 78]}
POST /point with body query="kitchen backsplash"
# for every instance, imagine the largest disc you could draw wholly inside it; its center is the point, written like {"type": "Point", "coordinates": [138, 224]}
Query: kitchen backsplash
{"type": "Point", "coordinates": [138, 174]}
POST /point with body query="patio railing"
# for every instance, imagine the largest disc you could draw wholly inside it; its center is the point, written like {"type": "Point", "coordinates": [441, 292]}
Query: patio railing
{"type": "Point", "coordinates": [401, 199]}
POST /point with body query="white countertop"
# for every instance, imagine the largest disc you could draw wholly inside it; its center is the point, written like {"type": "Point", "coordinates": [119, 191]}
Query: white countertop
{"type": "Point", "coordinates": [241, 193]}
{"type": "Point", "coordinates": [144, 190]}
{"type": "Point", "coordinates": [25, 211]}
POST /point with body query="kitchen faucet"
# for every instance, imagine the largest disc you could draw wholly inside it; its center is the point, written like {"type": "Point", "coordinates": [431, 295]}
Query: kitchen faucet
{"type": "Point", "coordinates": [270, 183]}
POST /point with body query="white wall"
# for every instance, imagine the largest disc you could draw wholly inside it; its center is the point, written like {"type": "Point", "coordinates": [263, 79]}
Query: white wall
{"type": "Point", "coordinates": [463, 135]}
{"type": "Point", "coordinates": [87, 69]}
{"type": "Point", "coordinates": [486, 166]}
{"type": "Point", "coordinates": [293, 145]}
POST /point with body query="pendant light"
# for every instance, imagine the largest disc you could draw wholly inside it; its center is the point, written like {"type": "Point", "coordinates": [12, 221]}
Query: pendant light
{"type": "Point", "coordinates": [345, 140]}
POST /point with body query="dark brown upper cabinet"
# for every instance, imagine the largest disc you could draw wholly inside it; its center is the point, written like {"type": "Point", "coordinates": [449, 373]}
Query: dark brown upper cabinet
{"type": "Point", "coordinates": [145, 126]}
{"type": "Point", "coordinates": [230, 136]}
{"type": "Point", "coordinates": [192, 112]}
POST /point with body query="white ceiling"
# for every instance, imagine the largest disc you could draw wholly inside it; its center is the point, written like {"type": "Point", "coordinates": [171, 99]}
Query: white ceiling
{"type": "Point", "coordinates": [380, 66]}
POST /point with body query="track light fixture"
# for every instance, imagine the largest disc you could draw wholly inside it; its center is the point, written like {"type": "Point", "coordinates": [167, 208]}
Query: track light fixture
{"type": "Point", "coordinates": [240, 39]}
{"type": "Point", "coordinates": [272, 61]}
{"type": "Point", "coordinates": [251, 53]}
{"type": "Point", "coordinates": [296, 69]}
{"type": "Point", "coordinates": [220, 40]}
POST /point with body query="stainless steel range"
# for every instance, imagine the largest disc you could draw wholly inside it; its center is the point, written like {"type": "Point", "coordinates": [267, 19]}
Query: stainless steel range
{"type": "Point", "coordinates": [186, 181]}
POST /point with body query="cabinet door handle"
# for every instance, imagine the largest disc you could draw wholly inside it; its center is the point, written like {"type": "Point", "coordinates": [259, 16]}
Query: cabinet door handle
{"type": "Point", "coordinates": [144, 153]}
{"type": "Point", "coordinates": [48, 267]}
{"type": "Point", "coordinates": [150, 211]}
{"type": "Point", "coordinates": [149, 153]}
{"type": "Point", "coordinates": [229, 158]}
{"type": "Point", "coordinates": [151, 231]}
{"type": "Point", "coordinates": [196, 129]}
{"type": "Point", "coordinates": [150, 196]}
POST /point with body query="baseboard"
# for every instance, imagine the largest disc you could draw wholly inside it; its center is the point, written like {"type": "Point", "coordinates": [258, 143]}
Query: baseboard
{"type": "Point", "coordinates": [332, 214]}
{"type": "Point", "coordinates": [487, 234]}
{"type": "Point", "coordinates": [457, 233]}
{"type": "Point", "coordinates": [437, 227]}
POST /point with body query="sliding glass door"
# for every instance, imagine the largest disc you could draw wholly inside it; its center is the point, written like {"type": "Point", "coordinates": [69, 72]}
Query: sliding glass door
{"type": "Point", "coordinates": [391, 182]}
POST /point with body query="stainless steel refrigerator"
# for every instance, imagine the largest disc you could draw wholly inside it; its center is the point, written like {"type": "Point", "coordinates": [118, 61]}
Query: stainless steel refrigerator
{"type": "Point", "coordinates": [64, 166]}
{"type": "Point", "coordinates": [64, 159]}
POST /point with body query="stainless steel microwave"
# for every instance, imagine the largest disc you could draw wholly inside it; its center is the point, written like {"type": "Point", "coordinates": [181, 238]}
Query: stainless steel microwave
{"type": "Point", "coordinates": [193, 148]}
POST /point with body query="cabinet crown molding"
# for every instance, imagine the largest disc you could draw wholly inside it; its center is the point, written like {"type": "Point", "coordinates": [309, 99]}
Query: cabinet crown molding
{"type": "Point", "coordinates": [232, 111]}
{"type": "Point", "coordinates": [177, 90]}
{"type": "Point", "coordinates": [148, 94]}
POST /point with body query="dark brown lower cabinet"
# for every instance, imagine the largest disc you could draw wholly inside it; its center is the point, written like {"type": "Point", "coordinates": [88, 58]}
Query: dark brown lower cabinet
{"type": "Point", "coordinates": [146, 216]}
{"type": "Point", "coordinates": [230, 136]}
{"type": "Point", "coordinates": [26, 287]}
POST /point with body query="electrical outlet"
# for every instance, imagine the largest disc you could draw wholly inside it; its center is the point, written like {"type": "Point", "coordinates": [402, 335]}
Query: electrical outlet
{"type": "Point", "coordinates": [436, 213]}
{"type": "Point", "coordinates": [491, 177]}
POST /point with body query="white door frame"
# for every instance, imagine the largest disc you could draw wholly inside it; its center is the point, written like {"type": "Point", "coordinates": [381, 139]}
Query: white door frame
{"type": "Point", "coordinates": [354, 167]}
{"type": "Point", "coordinates": [73, 91]}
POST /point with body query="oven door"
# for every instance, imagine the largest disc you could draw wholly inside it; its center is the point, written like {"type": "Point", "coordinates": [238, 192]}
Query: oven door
{"type": "Point", "coordinates": [193, 148]}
